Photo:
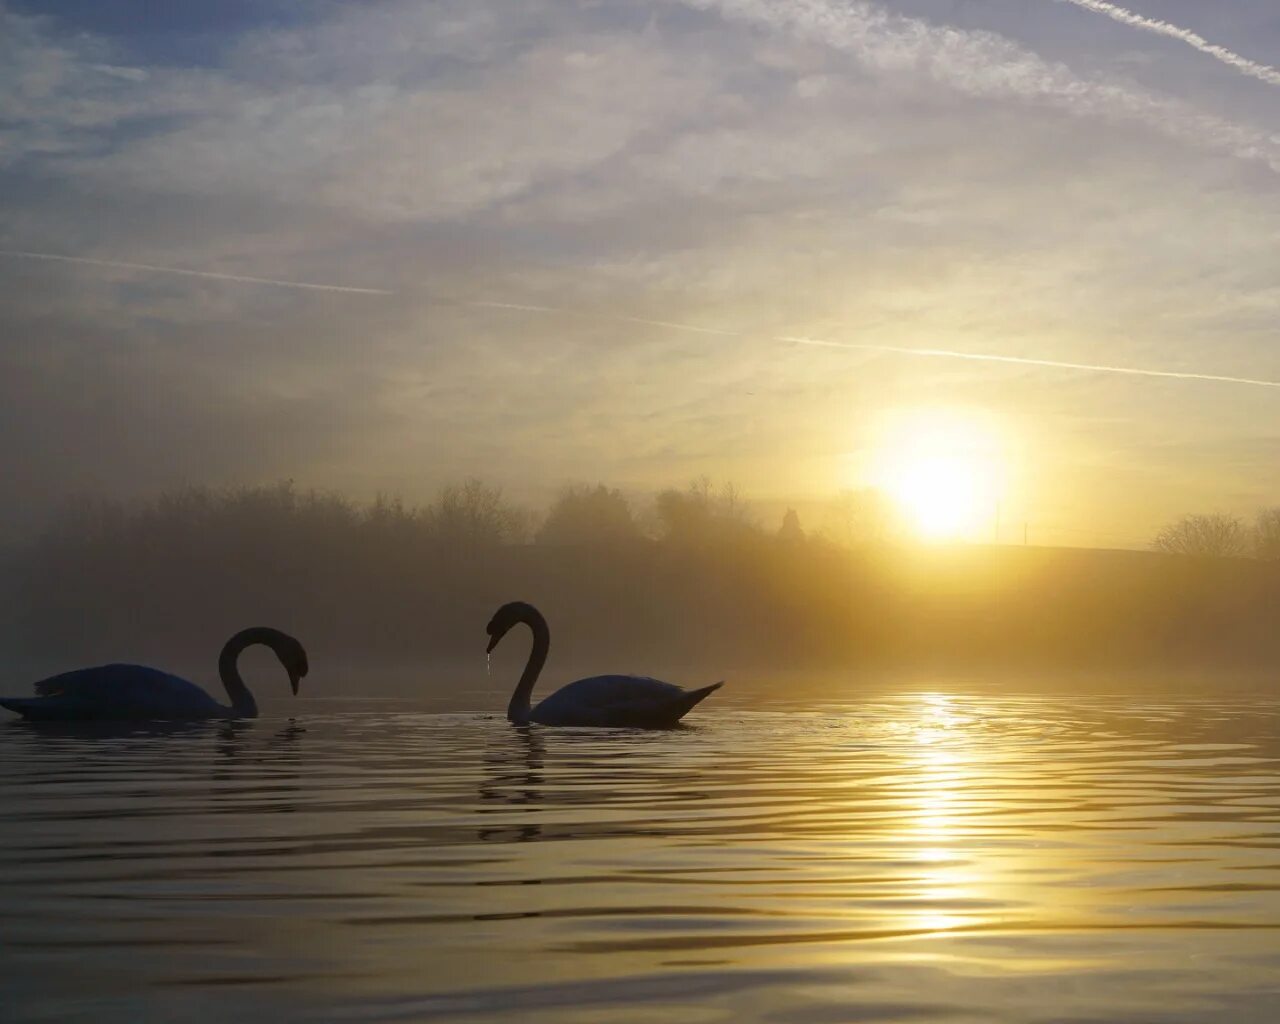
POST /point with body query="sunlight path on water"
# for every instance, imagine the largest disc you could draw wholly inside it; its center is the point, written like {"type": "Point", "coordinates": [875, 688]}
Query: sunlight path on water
{"type": "Point", "coordinates": [922, 857]}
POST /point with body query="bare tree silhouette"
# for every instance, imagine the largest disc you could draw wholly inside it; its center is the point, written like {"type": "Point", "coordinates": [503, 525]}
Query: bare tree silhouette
{"type": "Point", "coordinates": [1214, 535]}
{"type": "Point", "coordinates": [862, 517]}
{"type": "Point", "coordinates": [1266, 534]}
{"type": "Point", "coordinates": [702, 512]}
{"type": "Point", "coordinates": [475, 514]}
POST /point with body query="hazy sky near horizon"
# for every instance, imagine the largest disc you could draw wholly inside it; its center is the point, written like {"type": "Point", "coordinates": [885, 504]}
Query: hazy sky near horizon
{"type": "Point", "coordinates": [1060, 180]}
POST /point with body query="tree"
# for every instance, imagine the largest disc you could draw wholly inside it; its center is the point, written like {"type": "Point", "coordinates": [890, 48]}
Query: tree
{"type": "Point", "coordinates": [861, 517]}
{"type": "Point", "coordinates": [476, 515]}
{"type": "Point", "coordinates": [1208, 536]}
{"type": "Point", "coordinates": [589, 515]}
{"type": "Point", "coordinates": [701, 512]}
{"type": "Point", "coordinates": [790, 532]}
{"type": "Point", "coordinates": [1266, 535]}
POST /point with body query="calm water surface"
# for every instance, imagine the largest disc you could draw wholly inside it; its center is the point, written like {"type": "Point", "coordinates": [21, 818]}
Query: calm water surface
{"type": "Point", "coordinates": [916, 858]}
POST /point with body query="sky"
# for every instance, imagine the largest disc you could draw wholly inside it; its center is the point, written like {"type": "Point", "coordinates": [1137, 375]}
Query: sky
{"type": "Point", "coordinates": [586, 240]}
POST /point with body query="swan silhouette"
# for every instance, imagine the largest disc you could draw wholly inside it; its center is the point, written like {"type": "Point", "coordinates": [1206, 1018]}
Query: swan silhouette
{"type": "Point", "coordinates": [136, 692]}
{"type": "Point", "coordinates": [609, 701]}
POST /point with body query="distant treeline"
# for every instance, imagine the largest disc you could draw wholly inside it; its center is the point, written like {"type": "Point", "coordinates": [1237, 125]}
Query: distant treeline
{"type": "Point", "coordinates": [1220, 535]}
{"type": "Point", "coordinates": [689, 579]}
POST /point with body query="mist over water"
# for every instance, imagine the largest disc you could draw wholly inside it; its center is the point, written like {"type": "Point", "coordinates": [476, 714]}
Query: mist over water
{"type": "Point", "coordinates": [939, 855]}
{"type": "Point", "coordinates": [692, 582]}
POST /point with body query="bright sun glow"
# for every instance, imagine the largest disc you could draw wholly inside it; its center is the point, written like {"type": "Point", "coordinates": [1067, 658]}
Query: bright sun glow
{"type": "Point", "coordinates": [944, 471]}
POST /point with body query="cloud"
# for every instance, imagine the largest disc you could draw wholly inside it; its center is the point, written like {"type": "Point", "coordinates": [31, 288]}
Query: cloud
{"type": "Point", "coordinates": [128, 74]}
{"type": "Point", "coordinates": [985, 64]}
{"type": "Point", "coordinates": [64, 95]}
{"type": "Point", "coordinates": [406, 112]}
{"type": "Point", "coordinates": [1252, 68]}
{"type": "Point", "coordinates": [411, 113]}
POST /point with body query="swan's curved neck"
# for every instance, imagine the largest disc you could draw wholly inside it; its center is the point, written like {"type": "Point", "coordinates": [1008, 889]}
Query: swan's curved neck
{"type": "Point", "coordinates": [518, 709]}
{"type": "Point", "coordinates": [242, 702]}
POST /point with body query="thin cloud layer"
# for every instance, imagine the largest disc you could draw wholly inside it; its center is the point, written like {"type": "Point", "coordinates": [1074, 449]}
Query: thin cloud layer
{"type": "Point", "coordinates": [988, 65]}
{"type": "Point", "coordinates": [321, 247]}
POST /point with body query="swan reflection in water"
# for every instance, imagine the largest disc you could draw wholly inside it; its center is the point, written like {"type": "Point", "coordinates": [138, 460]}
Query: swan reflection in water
{"type": "Point", "coordinates": [268, 773]}
{"type": "Point", "coordinates": [513, 777]}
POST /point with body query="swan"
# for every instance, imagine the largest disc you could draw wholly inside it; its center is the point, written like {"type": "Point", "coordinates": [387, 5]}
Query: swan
{"type": "Point", "coordinates": [610, 701]}
{"type": "Point", "coordinates": [136, 692]}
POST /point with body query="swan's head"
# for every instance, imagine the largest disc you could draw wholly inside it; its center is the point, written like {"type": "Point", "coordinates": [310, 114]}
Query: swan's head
{"type": "Point", "coordinates": [293, 656]}
{"type": "Point", "coordinates": [504, 618]}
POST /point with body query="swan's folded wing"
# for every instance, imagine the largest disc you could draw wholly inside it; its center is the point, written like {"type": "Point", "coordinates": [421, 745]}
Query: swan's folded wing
{"type": "Point", "coordinates": [86, 682]}
{"type": "Point", "coordinates": [117, 679]}
{"type": "Point", "coordinates": [134, 689]}
{"type": "Point", "coordinates": [614, 689]}
{"type": "Point", "coordinates": [619, 700]}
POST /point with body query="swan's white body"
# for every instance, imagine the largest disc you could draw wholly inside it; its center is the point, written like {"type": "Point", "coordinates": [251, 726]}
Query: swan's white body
{"type": "Point", "coordinates": [139, 693]}
{"type": "Point", "coordinates": [613, 701]}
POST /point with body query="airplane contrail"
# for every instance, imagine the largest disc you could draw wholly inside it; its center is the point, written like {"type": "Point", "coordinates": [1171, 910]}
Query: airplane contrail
{"type": "Point", "coordinates": [238, 278]}
{"type": "Point", "coordinates": [1056, 364]}
{"type": "Point", "coordinates": [1252, 68]}
{"type": "Point", "coordinates": [692, 328]}
{"type": "Point", "coordinates": [929, 353]}
{"type": "Point", "coordinates": [904, 350]}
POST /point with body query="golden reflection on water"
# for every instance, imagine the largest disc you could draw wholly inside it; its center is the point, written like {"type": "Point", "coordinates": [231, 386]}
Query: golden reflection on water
{"type": "Point", "coordinates": [927, 856]}
{"type": "Point", "coordinates": [942, 766]}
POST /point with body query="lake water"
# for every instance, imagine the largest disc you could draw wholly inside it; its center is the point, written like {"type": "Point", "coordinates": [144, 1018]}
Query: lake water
{"type": "Point", "coordinates": [921, 857]}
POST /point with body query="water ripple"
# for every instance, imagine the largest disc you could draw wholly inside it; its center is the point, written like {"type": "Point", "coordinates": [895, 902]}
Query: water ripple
{"type": "Point", "coordinates": [920, 857]}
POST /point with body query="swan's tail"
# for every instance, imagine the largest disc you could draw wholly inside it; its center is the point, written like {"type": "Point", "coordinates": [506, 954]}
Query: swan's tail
{"type": "Point", "coordinates": [45, 709]}
{"type": "Point", "coordinates": [694, 697]}
{"type": "Point", "coordinates": [22, 705]}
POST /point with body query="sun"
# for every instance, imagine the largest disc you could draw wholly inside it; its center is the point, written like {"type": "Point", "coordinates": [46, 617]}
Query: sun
{"type": "Point", "coordinates": [944, 470]}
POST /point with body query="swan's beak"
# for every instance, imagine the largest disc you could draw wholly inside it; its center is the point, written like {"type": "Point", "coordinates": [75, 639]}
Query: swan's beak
{"type": "Point", "coordinates": [293, 682]}
{"type": "Point", "coordinates": [493, 642]}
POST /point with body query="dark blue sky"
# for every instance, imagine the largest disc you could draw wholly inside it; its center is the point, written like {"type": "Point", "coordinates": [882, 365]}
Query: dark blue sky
{"type": "Point", "coordinates": [171, 31]}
